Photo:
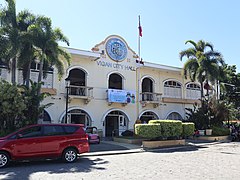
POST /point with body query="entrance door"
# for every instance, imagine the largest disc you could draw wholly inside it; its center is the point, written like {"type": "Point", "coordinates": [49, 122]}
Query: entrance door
{"type": "Point", "coordinates": [111, 126]}
{"type": "Point", "coordinates": [122, 124]}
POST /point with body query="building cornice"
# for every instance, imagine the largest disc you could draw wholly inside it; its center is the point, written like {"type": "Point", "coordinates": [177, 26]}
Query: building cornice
{"type": "Point", "coordinates": [83, 53]}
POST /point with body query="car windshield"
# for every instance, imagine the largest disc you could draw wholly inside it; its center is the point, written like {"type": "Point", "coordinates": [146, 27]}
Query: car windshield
{"type": "Point", "coordinates": [88, 130]}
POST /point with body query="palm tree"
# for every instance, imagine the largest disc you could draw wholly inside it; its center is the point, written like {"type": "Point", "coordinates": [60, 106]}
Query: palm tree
{"type": "Point", "coordinates": [203, 63]}
{"type": "Point", "coordinates": [27, 52]}
{"type": "Point", "coordinates": [17, 46]}
{"type": "Point", "coordinates": [10, 37]}
{"type": "Point", "coordinates": [46, 41]}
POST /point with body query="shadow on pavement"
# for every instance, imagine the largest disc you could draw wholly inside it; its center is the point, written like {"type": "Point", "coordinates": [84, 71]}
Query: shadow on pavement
{"type": "Point", "coordinates": [187, 148]}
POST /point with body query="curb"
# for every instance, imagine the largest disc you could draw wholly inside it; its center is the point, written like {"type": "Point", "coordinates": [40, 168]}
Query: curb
{"type": "Point", "coordinates": [141, 150]}
{"type": "Point", "coordinates": [104, 153]}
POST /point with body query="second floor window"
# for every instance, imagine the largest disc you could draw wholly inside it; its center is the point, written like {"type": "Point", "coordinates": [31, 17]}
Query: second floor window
{"type": "Point", "coordinates": [47, 75]}
{"type": "Point", "coordinates": [115, 81]}
{"type": "Point", "coordinates": [193, 91]}
{"type": "Point", "coordinates": [172, 89]}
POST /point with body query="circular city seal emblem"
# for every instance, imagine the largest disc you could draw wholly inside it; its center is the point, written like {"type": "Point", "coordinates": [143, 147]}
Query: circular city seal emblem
{"type": "Point", "coordinates": [116, 49]}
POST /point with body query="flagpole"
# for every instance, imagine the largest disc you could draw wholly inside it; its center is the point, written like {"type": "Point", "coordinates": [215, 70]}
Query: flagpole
{"type": "Point", "coordinates": [137, 69]}
{"type": "Point", "coordinates": [139, 35]}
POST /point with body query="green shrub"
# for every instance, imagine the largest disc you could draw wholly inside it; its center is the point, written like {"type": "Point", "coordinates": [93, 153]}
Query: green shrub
{"type": "Point", "coordinates": [220, 131]}
{"type": "Point", "coordinates": [150, 131]}
{"type": "Point", "coordinates": [169, 128]}
{"type": "Point", "coordinates": [188, 129]}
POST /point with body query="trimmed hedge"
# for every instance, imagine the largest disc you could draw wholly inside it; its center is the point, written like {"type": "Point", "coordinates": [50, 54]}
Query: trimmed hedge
{"type": "Point", "coordinates": [150, 131]}
{"type": "Point", "coordinates": [220, 131]}
{"type": "Point", "coordinates": [169, 128]}
{"type": "Point", "coordinates": [188, 129]}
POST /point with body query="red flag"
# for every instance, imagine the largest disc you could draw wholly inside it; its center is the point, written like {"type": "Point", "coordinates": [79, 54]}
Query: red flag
{"type": "Point", "coordinates": [140, 27]}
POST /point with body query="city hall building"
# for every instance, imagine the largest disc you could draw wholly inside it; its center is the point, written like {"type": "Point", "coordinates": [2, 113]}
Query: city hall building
{"type": "Point", "coordinates": [109, 88]}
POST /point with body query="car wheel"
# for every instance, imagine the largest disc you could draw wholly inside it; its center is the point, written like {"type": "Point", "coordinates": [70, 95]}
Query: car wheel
{"type": "Point", "coordinates": [98, 140]}
{"type": "Point", "coordinates": [4, 159]}
{"type": "Point", "coordinates": [69, 155]}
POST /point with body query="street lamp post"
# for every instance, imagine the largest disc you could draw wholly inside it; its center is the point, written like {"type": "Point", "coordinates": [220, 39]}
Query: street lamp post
{"type": "Point", "coordinates": [67, 80]}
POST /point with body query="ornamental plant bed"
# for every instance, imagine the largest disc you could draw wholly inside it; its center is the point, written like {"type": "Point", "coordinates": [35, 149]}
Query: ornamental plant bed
{"type": "Point", "coordinates": [162, 143]}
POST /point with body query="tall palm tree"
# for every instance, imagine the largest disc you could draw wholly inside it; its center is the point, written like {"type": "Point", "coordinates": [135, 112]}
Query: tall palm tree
{"type": "Point", "coordinates": [27, 52]}
{"type": "Point", "coordinates": [17, 49]}
{"type": "Point", "coordinates": [9, 34]}
{"type": "Point", "coordinates": [46, 41]}
{"type": "Point", "coordinates": [203, 63]}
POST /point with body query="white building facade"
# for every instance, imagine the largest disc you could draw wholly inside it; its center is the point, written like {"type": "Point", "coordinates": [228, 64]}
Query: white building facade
{"type": "Point", "coordinates": [110, 89]}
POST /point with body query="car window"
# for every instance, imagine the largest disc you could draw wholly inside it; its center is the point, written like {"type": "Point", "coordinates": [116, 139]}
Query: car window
{"type": "Point", "coordinates": [13, 137]}
{"type": "Point", "coordinates": [70, 129]}
{"type": "Point", "coordinates": [89, 130]}
{"type": "Point", "coordinates": [30, 132]}
{"type": "Point", "coordinates": [53, 130]}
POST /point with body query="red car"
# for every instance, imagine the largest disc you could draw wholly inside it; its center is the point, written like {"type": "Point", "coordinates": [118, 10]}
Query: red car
{"type": "Point", "coordinates": [44, 141]}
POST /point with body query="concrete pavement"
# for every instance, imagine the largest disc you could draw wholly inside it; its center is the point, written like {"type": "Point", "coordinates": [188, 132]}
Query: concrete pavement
{"type": "Point", "coordinates": [107, 147]}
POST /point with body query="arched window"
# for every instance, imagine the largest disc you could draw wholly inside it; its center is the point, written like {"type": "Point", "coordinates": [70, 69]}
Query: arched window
{"type": "Point", "coordinates": [174, 116]}
{"type": "Point", "coordinates": [46, 116]}
{"type": "Point", "coordinates": [172, 89]}
{"type": "Point", "coordinates": [147, 116]}
{"type": "Point", "coordinates": [78, 83]}
{"type": "Point", "coordinates": [115, 81]}
{"type": "Point", "coordinates": [147, 85]}
{"type": "Point", "coordinates": [147, 89]}
{"type": "Point", "coordinates": [77, 77]}
{"type": "Point", "coordinates": [193, 91]}
{"type": "Point", "coordinates": [78, 116]}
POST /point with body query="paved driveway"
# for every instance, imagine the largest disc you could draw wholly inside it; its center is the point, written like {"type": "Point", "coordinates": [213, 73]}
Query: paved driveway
{"type": "Point", "coordinates": [106, 146]}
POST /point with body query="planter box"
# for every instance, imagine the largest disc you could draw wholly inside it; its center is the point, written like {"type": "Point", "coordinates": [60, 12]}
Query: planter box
{"type": "Point", "coordinates": [208, 132]}
{"type": "Point", "coordinates": [129, 141]}
{"type": "Point", "coordinates": [213, 138]}
{"type": "Point", "coordinates": [156, 144]}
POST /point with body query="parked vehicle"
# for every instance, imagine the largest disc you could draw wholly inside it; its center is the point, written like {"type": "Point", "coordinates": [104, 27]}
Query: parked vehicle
{"type": "Point", "coordinates": [93, 137]}
{"type": "Point", "coordinates": [43, 141]}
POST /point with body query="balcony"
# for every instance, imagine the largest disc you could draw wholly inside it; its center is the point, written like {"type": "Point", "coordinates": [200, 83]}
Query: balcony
{"type": "Point", "coordinates": [150, 98]}
{"type": "Point", "coordinates": [81, 92]}
{"type": "Point", "coordinates": [180, 100]}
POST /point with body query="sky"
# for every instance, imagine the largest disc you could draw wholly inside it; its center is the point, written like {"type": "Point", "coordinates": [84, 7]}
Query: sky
{"type": "Point", "coordinates": [166, 24]}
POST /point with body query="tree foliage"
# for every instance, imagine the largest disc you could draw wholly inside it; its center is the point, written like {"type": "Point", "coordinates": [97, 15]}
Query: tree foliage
{"type": "Point", "coordinates": [26, 37]}
{"type": "Point", "coordinates": [19, 105]}
{"type": "Point", "coordinates": [32, 101]}
{"type": "Point", "coordinates": [203, 64]}
{"type": "Point", "coordinates": [12, 106]}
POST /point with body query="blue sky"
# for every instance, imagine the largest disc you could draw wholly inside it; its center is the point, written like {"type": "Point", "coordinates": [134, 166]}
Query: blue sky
{"type": "Point", "coordinates": [166, 24]}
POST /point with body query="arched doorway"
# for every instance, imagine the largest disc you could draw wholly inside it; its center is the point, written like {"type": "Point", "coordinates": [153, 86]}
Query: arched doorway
{"type": "Point", "coordinates": [116, 122]}
{"type": "Point", "coordinates": [147, 116]}
{"type": "Point", "coordinates": [78, 116]}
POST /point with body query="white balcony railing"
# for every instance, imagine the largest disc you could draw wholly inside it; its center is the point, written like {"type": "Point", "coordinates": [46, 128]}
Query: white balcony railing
{"type": "Point", "coordinates": [151, 97]}
{"type": "Point", "coordinates": [81, 91]}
